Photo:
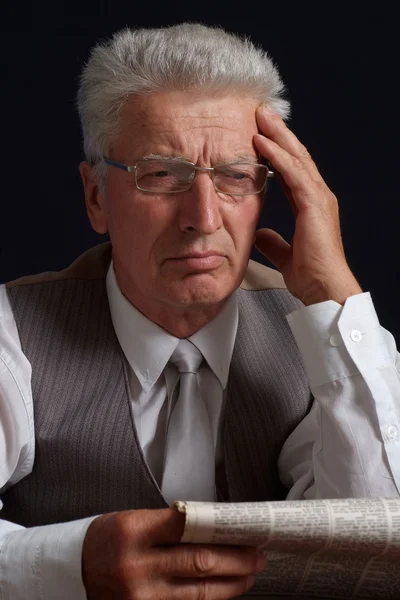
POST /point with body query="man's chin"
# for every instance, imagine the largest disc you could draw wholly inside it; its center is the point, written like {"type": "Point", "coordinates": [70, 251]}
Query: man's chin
{"type": "Point", "coordinates": [200, 290]}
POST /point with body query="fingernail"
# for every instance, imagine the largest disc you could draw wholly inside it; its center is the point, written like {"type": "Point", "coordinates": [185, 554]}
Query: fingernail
{"type": "Point", "coordinates": [250, 581]}
{"type": "Point", "coordinates": [267, 110]}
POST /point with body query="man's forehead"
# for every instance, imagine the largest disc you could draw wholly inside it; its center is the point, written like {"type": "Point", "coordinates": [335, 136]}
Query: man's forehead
{"type": "Point", "coordinates": [176, 111]}
{"type": "Point", "coordinates": [174, 121]}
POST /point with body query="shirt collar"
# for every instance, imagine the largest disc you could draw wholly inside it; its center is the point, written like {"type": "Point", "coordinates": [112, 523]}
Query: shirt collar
{"type": "Point", "coordinates": [217, 339]}
{"type": "Point", "coordinates": [148, 348]}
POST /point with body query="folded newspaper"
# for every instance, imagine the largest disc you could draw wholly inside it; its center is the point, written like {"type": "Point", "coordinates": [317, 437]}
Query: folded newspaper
{"type": "Point", "coordinates": [316, 549]}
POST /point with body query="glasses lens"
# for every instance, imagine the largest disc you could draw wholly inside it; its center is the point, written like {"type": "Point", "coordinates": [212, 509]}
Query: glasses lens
{"type": "Point", "coordinates": [240, 178]}
{"type": "Point", "coordinates": [163, 175]}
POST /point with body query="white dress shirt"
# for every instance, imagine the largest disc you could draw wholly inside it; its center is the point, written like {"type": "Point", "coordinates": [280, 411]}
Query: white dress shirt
{"type": "Point", "coordinates": [148, 348]}
{"type": "Point", "coordinates": [348, 445]}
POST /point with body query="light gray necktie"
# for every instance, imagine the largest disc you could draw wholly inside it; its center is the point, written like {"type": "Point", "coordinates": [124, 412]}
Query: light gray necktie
{"type": "Point", "coordinates": [189, 464]}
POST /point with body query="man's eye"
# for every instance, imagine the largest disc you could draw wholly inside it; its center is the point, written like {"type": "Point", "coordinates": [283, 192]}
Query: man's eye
{"type": "Point", "coordinates": [159, 173]}
{"type": "Point", "coordinates": [238, 176]}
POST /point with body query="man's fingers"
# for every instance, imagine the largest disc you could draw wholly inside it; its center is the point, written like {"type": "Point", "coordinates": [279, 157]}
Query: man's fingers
{"type": "Point", "coordinates": [287, 165]}
{"type": "Point", "coordinates": [274, 247]}
{"type": "Point", "coordinates": [303, 186]}
{"type": "Point", "coordinates": [165, 526]}
{"type": "Point", "coordinates": [138, 553]}
{"type": "Point", "coordinates": [148, 528]}
{"type": "Point", "coordinates": [216, 588]}
{"type": "Point", "coordinates": [201, 561]}
{"type": "Point", "coordinates": [273, 127]}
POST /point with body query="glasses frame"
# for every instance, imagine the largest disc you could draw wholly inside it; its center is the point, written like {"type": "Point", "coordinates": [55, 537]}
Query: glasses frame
{"type": "Point", "coordinates": [211, 170]}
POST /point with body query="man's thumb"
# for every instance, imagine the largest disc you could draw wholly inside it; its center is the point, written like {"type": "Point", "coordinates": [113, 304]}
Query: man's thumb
{"type": "Point", "coordinates": [273, 246]}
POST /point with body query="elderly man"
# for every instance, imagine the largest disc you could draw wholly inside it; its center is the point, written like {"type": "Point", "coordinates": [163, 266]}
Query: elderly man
{"type": "Point", "coordinates": [166, 365]}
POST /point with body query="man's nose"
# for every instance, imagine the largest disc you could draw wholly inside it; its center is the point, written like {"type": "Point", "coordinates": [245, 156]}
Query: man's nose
{"type": "Point", "coordinates": [200, 207]}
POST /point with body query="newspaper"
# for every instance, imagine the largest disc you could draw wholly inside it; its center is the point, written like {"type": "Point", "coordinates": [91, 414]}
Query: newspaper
{"type": "Point", "coordinates": [341, 548]}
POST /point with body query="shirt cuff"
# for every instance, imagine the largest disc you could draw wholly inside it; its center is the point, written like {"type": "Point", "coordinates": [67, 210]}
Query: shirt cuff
{"type": "Point", "coordinates": [43, 563]}
{"type": "Point", "coordinates": [338, 341]}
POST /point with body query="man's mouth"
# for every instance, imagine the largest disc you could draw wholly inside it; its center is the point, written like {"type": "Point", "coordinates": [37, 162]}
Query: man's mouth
{"type": "Point", "coordinates": [200, 261]}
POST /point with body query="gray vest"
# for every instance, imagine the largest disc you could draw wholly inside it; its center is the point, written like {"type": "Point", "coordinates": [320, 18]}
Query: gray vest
{"type": "Point", "coordinates": [88, 458]}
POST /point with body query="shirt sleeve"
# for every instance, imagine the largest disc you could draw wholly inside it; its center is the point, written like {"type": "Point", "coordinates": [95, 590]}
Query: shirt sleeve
{"type": "Point", "coordinates": [39, 563]}
{"type": "Point", "coordinates": [349, 443]}
{"type": "Point", "coordinates": [42, 563]}
{"type": "Point", "coordinates": [17, 437]}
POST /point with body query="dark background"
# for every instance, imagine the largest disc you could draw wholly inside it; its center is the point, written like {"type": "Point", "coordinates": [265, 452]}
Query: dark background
{"type": "Point", "coordinates": [340, 66]}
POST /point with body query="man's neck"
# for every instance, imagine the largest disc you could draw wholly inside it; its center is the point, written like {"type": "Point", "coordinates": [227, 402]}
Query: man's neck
{"type": "Point", "coordinates": [181, 322]}
{"type": "Point", "coordinates": [184, 322]}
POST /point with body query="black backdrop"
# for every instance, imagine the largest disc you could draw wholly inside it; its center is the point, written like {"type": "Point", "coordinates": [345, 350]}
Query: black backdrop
{"type": "Point", "coordinates": [340, 65]}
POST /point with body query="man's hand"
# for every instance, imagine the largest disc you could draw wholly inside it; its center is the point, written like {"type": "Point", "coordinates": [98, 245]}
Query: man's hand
{"type": "Point", "coordinates": [314, 265]}
{"type": "Point", "coordinates": [136, 555]}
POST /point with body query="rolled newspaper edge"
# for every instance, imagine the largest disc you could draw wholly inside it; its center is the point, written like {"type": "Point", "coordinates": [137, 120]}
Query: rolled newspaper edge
{"type": "Point", "coordinates": [199, 521]}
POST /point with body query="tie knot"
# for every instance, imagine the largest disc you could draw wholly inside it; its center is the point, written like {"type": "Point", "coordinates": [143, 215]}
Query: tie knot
{"type": "Point", "coordinates": [186, 357]}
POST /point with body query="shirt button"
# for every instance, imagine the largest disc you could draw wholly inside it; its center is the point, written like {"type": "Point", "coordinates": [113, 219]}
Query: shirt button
{"type": "Point", "coordinates": [356, 335]}
{"type": "Point", "coordinates": [392, 432]}
{"type": "Point", "coordinates": [335, 340]}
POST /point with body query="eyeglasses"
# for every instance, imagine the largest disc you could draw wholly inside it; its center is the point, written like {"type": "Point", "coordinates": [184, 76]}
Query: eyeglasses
{"type": "Point", "coordinates": [169, 176]}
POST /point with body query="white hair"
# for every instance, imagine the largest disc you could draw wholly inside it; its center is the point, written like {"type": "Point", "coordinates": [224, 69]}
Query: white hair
{"type": "Point", "coordinates": [189, 56]}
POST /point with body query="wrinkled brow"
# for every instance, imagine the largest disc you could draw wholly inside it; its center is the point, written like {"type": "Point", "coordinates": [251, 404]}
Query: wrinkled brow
{"type": "Point", "coordinates": [248, 158]}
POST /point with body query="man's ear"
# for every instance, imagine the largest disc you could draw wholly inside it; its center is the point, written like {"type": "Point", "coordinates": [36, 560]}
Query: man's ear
{"type": "Point", "coordinates": [94, 199]}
